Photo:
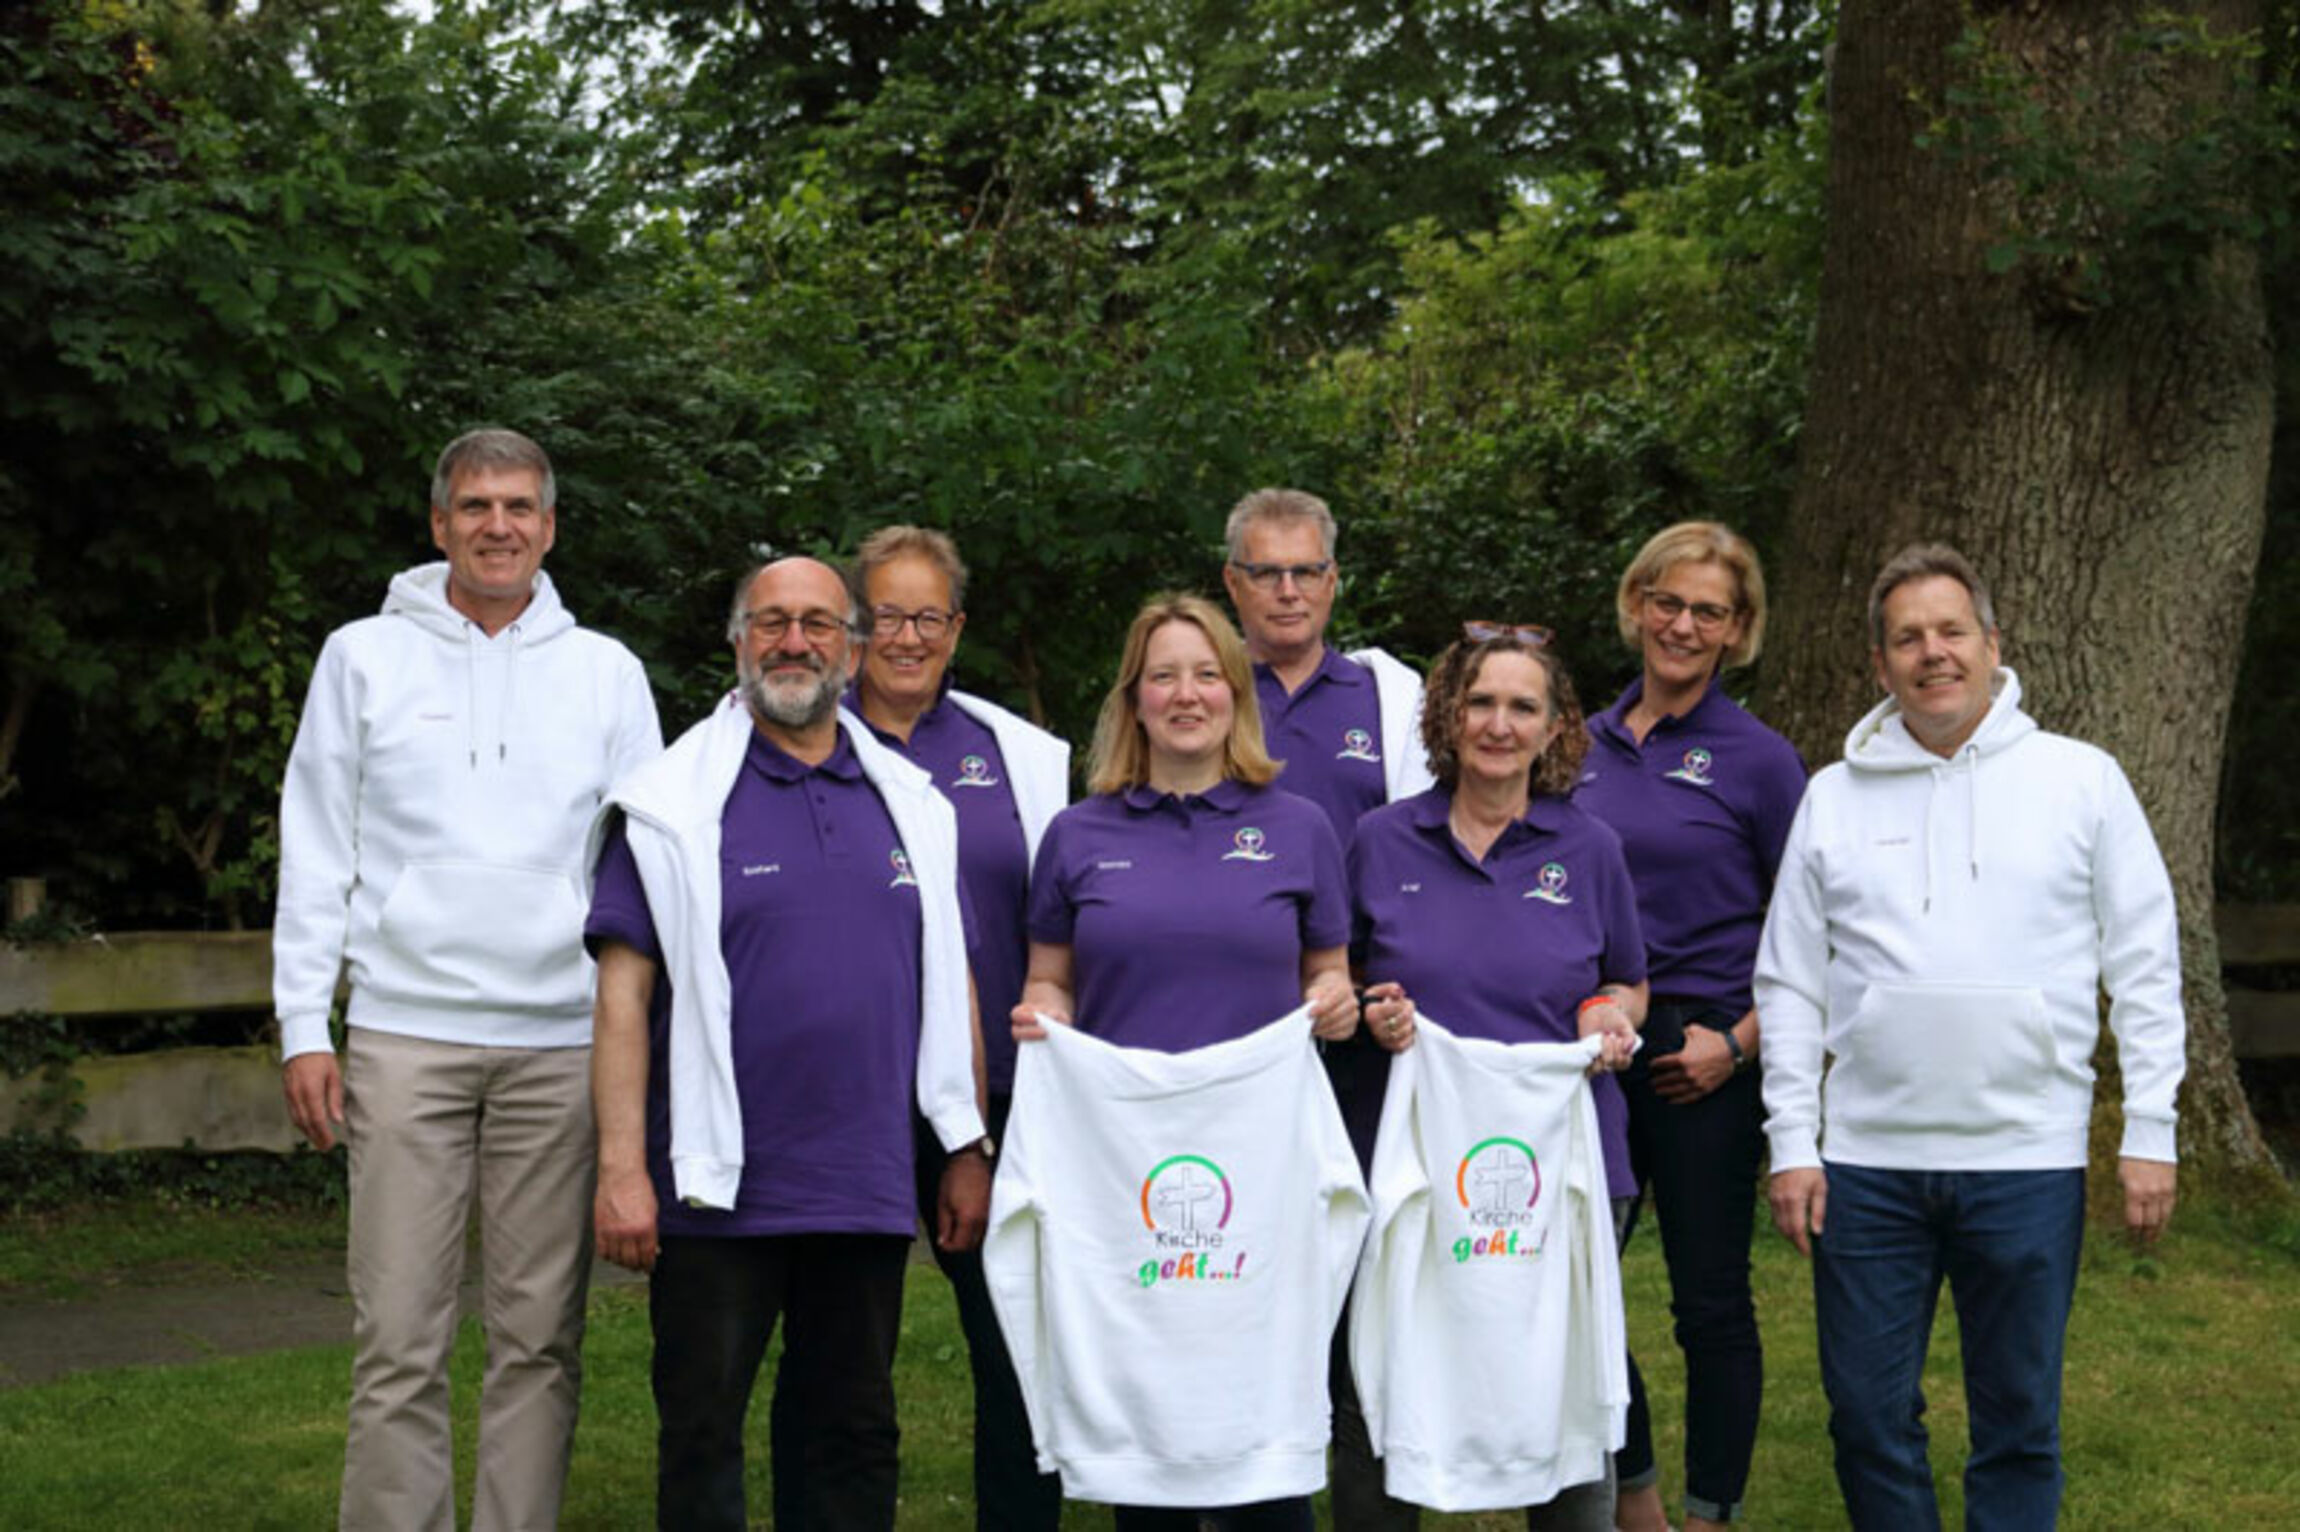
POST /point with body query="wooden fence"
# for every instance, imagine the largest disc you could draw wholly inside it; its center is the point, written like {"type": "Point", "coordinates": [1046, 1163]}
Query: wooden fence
{"type": "Point", "coordinates": [229, 1098]}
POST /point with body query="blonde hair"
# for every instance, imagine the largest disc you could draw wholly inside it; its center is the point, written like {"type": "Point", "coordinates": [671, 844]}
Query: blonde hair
{"type": "Point", "coordinates": [1698, 542]}
{"type": "Point", "coordinates": [1120, 758]}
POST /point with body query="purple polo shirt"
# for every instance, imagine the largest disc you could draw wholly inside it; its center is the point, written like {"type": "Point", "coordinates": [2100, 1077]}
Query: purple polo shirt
{"type": "Point", "coordinates": [1187, 917]}
{"type": "Point", "coordinates": [819, 924]}
{"type": "Point", "coordinates": [1505, 949]}
{"type": "Point", "coordinates": [1702, 809]}
{"type": "Point", "coordinates": [962, 756]}
{"type": "Point", "coordinates": [1329, 734]}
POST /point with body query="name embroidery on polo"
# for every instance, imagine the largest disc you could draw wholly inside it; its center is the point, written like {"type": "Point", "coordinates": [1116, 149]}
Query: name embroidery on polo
{"type": "Point", "coordinates": [974, 771]}
{"type": "Point", "coordinates": [1695, 768]}
{"type": "Point", "coordinates": [1549, 886]}
{"type": "Point", "coordinates": [761, 869]}
{"type": "Point", "coordinates": [903, 876]}
{"type": "Point", "coordinates": [1186, 1204]}
{"type": "Point", "coordinates": [1357, 745]}
{"type": "Point", "coordinates": [1246, 846]}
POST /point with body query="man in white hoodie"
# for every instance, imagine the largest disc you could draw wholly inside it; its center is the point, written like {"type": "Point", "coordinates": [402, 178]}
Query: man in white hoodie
{"type": "Point", "coordinates": [452, 754]}
{"type": "Point", "coordinates": [1954, 896]}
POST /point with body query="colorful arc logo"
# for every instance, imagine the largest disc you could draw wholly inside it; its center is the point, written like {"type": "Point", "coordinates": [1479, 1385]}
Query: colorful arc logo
{"type": "Point", "coordinates": [1493, 1170]}
{"type": "Point", "coordinates": [1184, 1188]}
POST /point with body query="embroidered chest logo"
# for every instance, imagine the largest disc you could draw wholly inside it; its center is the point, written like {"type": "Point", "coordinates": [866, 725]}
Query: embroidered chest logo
{"type": "Point", "coordinates": [903, 876]}
{"type": "Point", "coordinates": [1246, 846]}
{"type": "Point", "coordinates": [1186, 1205]}
{"type": "Point", "coordinates": [974, 771]}
{"type": "Point", "coordinates": [1357, 745]}
{"type": "Point", "coordinates": [1498, 1185]}
{"type": "Point", "coordinates": [1695, 768]}
{"type": "Point", "coordinates": [1549, 887]}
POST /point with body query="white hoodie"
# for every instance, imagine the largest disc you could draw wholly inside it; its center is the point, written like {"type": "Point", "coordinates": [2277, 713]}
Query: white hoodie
{"type": "Point", "coordinates": [1171, 1237]}
{"type": "Point", "coordinates": [1943, 928]}
{"type": "Point", "coordinates": [433, 816]}
{"type": "Point", "coordinates": [1486, 1335]}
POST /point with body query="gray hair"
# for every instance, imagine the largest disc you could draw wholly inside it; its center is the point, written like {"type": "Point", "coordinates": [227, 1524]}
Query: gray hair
{"type": "Point", "coordinates": [1924, 561]}
{"type": "Point", "coordinates": [890, 543]}
{"type": "Point", "coordinates": [857, 628]}
{"type": "Point", "coordinates": [1279, 507]}
{"type": "Point", "coordinates": [491, 447]}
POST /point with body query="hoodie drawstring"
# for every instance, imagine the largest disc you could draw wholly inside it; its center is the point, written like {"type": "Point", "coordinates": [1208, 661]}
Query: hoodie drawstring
{"type": "Point", "coordinates": [473, 636]}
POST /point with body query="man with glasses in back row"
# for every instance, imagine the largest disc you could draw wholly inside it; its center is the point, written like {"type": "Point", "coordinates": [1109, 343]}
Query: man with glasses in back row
{"type": "Point", "coordinates": [1348, 729]}
{"type": "Point", "coordinates": [782, 984]}
{"type": "Point", "coordinates": [1347, 726]}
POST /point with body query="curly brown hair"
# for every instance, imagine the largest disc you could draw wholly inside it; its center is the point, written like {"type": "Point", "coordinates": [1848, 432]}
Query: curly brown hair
{"type": "Point", "coordinates": [1447, 693]}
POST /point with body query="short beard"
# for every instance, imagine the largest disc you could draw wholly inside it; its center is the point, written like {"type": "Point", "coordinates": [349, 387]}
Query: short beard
{"type": "Point", "coordinates": [788, 709]}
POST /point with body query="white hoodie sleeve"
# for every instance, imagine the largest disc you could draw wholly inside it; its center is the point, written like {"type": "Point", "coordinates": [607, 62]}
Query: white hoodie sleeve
{"type": "Point", "coordinates": [2139, 966]}
{"type": "Point", "coordinates": [638, 736]}
{"type": "Point", "coordinates": [1792, 995]}
{"type": "Point", "coordinates": [319, 846]}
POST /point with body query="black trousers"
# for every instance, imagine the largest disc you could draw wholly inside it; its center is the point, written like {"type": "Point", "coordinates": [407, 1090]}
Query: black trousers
{"type": "Point", "coordinates": [1701, 1162]}
{"type": "Point", "coordinates": [1010, 1494]}
{"type": "Point", "coordinates": [714, 1302]}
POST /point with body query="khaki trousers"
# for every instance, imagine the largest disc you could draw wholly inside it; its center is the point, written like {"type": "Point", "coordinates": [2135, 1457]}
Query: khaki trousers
{"type": "Point", "coordinates": [429, 1123]}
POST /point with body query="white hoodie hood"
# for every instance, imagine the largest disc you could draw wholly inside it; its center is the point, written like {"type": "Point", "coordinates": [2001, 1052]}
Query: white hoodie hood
{"type": "Point", "coordinates": [1881, 742]}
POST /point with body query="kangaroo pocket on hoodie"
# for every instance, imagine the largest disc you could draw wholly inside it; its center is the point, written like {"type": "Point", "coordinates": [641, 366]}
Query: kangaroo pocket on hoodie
{"type": "Point", "coordinates": [1941, 1058]}
{"type": "Point", "coordinates": [470, 933]}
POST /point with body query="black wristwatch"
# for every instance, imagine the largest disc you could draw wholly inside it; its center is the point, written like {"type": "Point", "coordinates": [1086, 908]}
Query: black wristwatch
{"type": "Point", "coordinates": [987, 1144]}
{"type": "Point", "coordinates": [1741, 1059]}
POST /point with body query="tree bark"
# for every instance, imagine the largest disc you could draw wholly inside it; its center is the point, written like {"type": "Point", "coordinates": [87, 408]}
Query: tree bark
{"type": "Point", "coordinates": [2103, 464]}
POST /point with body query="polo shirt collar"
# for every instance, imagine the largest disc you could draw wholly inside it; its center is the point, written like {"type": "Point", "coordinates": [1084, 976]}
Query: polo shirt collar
{"type": "Point", "coordinates": [1226, 796]}
{"type": "Point", "coordinates": [1545, 814]}
{"type": "Point", "coordinates": [1333, 666]}
{"type": "Point", "coordinates": [776, 764]}
{"type": "Point", "coordinates": [1614, 721]}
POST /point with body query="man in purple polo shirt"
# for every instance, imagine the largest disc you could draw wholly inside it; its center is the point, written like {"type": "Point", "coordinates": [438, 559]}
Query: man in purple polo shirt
{"type": "Point", "coordinates": [1346, 726]}
{"type": "Point", "coordinates": [777, 923]}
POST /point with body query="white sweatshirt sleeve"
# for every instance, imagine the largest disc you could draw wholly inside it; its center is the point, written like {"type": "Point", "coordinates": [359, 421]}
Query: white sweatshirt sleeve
{"type": "Point", "coordinates": [2140, 967]}
{"type": "Point", "coordinates": [1792, 996]}
{"type": "Point", "coordinates": [1012, 1260]}
{"type": "Point", "coordinates": [319, 846]}
{"type": "Point", "coordinates": [1382, 1303]}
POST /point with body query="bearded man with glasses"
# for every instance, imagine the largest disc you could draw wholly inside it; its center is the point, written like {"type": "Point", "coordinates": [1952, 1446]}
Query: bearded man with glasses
{"type": "Point", "coordinates": [782, 985]}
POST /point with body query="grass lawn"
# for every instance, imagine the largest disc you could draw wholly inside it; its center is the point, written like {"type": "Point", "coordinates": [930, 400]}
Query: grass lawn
{"type": "Point", "coordinates": [2179, 1413]}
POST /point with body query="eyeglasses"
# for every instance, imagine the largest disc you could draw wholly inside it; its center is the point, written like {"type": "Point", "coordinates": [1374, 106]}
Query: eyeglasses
{"type": "Point", "coordinates": [931, 622]}
{"type": "Point", "coordinates": [1707, 615]}
{"type": "Point", "coordinates": [1272, 576]}
{"type": "Point", "coordinates": [769, 624]}
{"type": "Point", "coordinates": [1480, 632]}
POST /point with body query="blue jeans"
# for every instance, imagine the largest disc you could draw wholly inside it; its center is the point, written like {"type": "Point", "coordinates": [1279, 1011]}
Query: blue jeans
{"type": "Point", "coordinates": [2007, 1241]}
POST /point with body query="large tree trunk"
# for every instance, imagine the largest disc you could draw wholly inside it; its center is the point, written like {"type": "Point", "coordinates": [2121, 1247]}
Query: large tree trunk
{"type": "Point", "coordinates": [2102, 460]}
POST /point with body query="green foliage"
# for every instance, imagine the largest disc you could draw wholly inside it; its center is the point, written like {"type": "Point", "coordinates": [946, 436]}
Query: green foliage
{"type": "Point", "coordinates": [2121, 183]}
{"type": "Point", "coordinates": [45, 1172]}
{"type": "Point", "coordinates": [1555, 392]}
